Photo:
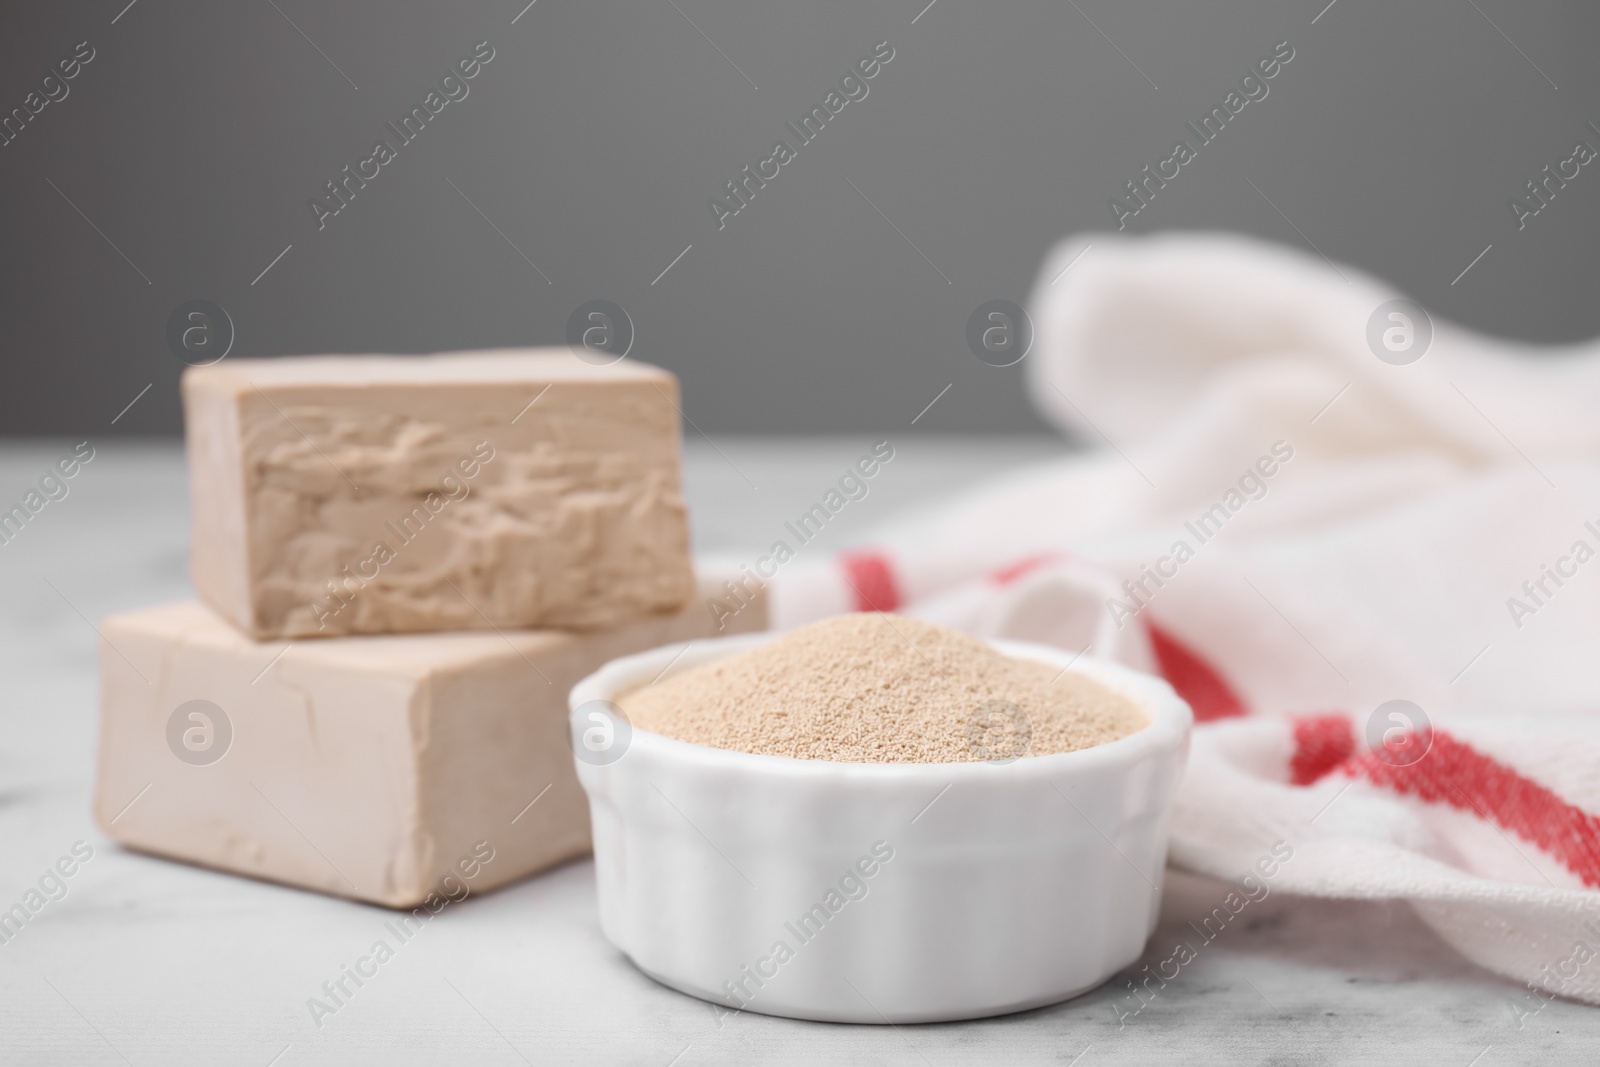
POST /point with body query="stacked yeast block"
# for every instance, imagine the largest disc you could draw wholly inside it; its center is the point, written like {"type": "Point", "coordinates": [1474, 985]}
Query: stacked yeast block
{"type": "Point", "coordinates": [365, 767]}
{"type": "Point", "coordinates": [448, 543]}
{"type": "Point", "coordinates": [339, 495]}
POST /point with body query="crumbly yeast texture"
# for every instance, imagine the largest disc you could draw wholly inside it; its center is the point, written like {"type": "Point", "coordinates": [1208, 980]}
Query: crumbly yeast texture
{"type": "Point", "coordinates": [507, 490]}
{"type": "Point", "coordinates": [877, 688]}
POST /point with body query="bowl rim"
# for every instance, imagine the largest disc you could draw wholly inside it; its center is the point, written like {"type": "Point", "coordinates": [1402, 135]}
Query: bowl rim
{"type": "Point", "coordinates": [1170, 719]}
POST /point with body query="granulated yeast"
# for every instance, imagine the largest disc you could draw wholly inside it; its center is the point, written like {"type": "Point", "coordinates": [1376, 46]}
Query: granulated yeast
{"type": "Point", "coordinates": [882, 689]}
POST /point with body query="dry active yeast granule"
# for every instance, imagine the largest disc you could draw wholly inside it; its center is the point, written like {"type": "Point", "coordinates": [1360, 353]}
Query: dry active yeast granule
{"type": "Point", "coordinates": [882, 689]}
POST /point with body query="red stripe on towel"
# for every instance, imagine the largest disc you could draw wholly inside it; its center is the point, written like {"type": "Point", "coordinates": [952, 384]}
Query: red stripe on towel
{"type": "Point", "coordinates": [1321, 743]}
{"type": "Point", "coordinates": [1457, 774]}
{"type": "Point", "coordinates": [870, 575]}
{"type": "Point", "coordinates": [1196, 680]}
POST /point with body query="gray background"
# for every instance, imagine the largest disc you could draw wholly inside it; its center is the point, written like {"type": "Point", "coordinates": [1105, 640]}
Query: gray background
{"type": "Point", "coordinates": [594, 139]}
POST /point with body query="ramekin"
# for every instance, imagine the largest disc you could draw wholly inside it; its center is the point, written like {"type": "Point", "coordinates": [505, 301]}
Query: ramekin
{"type": "Point", "coordinates": [1007, 885]}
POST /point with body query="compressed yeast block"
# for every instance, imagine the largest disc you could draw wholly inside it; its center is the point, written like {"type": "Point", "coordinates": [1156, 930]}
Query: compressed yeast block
{"type": "Point", "coordinates": [392, 494]}
{"type": "Point", "coordinates": [364, 767]}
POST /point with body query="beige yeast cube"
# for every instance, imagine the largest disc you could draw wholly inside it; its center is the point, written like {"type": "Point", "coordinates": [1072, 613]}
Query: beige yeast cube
{"type": "Point", "coordinates": [389, 494]}
{"type": "Point", "coordinates": [365, 767]}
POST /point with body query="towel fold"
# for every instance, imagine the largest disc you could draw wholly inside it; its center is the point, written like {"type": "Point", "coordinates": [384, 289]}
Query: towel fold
{"type": "Point", "coordinates": [1374, 574]}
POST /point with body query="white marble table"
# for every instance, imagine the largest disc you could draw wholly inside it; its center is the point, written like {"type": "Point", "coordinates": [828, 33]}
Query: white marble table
{"type": "Point", "coordinates": [150, 962]}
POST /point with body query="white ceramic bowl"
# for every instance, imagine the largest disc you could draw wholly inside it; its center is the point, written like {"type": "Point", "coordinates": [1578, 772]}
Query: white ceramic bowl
{"type": "Point", "coordinates": [898, 892]}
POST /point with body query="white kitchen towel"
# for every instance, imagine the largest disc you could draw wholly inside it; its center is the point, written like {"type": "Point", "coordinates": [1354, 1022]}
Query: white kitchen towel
{"type": "Point", "coordinates": [1373, 575]}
